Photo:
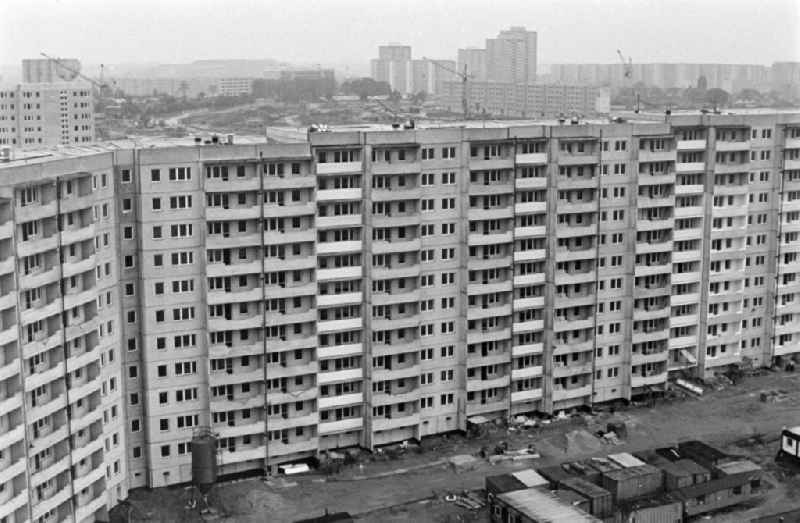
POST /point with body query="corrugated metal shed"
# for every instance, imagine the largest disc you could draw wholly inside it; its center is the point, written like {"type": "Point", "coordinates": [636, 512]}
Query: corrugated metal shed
{"type": "Point", "coordinates": [530, 478]}
{"type": "Point", "coordinates": [626, 460]}
{"type": "Point", "coordinates": [541, 505]}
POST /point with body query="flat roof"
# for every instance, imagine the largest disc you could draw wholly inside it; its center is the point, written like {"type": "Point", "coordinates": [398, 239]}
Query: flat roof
{"type": "Point", "coordinates": [541, 505]}
{"type": "Point", "coordinates": [682, 467]}
{"type": "Point", "coordinates": [626, 460]}
{"type": "Point", "coordinates": [632, 472]}
{"type": "Point", "coordinates": [740, 466]}
{"type": "Point", "coordinates": [530, 478]}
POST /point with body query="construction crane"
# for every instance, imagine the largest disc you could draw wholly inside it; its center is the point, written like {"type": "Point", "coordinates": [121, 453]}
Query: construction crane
{"type": "Point", "coordinates": [465, 76]}
{"type": "Point", "coordinates": [101, 85]}
{"type": "Point", "coordinates": [627, 71]}
{"type": "Point", "coordinates": [390, 110]}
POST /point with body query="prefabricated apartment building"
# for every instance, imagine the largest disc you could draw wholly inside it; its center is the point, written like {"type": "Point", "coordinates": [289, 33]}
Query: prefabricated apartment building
{"type": "Point", "coordinates": [362, 287]}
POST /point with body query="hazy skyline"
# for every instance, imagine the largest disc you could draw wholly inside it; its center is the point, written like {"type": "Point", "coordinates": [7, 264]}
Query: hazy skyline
{"type": "Point", "coordinates": [347, 32]}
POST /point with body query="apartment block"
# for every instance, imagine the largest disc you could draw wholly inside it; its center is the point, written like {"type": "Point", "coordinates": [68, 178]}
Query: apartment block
{"type": "Point", "coordinates": [363, 287]}
{"type": "Point", "coordinates": [46, 115]}
{"type": "Point", "coordinates": [526, 100]}
{"type": "Point", "coordinates": [62, 432]}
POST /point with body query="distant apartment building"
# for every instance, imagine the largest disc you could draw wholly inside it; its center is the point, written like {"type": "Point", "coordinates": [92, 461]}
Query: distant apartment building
{"type": "Point", "coordinates": [407, 76]}
{"type": "Point", "coordinates": [511, 57]}
{"type": "Point", "coordinates": [475, 62]}
{"type": "Point", "coordinates": [731, 77]}
{"type": "Point", "coordinates": [45, 70]}
{"type": "Point", "coordinates": [234, 86]}
{"type": "Point", "coordinates": [360, 288]}
{"type": "Point", "coordinates": [526, 100]}
{"type": "Point", "coordinates": [297, 84]}
{"type": "Point", "coordinates": [46, 115]}
{"type": "Point", "coordinates": [786, 78]}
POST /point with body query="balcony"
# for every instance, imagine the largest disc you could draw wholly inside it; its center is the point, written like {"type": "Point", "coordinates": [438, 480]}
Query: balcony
{"type": "Point", "coordinates": [789, 165]}
{"type": "Point", "coordinates": [491, 238]}
{"type": "Point", "coordinates": [523, 396]}
{"type": "Point", "coordinates": [337, 376]}
{"type": "Point", "coordinates": [488, 287]}
{"type": "Point", "coordinates": [524, 350]}
{"type": "Point", "coordinates": [398, 193]}
{"type": "Point", "coordinates": [573, 231]}
{"type": "Point", "coordinates": [345, 425]}
{"type": "Point", "coordinates": [527, 372]}
{"type": "Point", "coordinates": [491, 213]}
{"type": "Point", "coordinates": [564, 277]}
{"type": "Point", "coordinates": [327, 195]}
{"type": "Point", "coordinates": [398, 167]}
{"type": "Point", "coordinates": [577, 182]}
{"type": "Point", "coordinates": [231, 184]}
{"type": "Point", "coordinates": [342, 400]}
{"type": "Point", "coordinates": [645, 381]}
{"type": "Point", "coordinates": [532, 254]}
{"type": "Point", "coordinates": [561, 371]}
{"type": "Point", "coordinates": [533, 302]}
{"type": "Point", "coordinates": [690, 167]}
{"type": "Point", "coordinates": [565, 158]}
{"type": "Point", "coordinates": [395, 373]}
{"type": "Point", "coordinates": [34, 211]}
{"type": "Point", "coordinates": [646, 155]}
{"type": "Point", "coordinates": [638, 358]}
{"type": "Point", "coordinates": [686, 256]}
{"type": "Point", "coordinates": [493, 335]}
{"type": "Point", "coordinates": [729, 146]}
{"type": "Point", "coordinates": [731, 167]}
{"type": "Point", "coordinates": [75, 235]}
{"type": "Point", "coordinates": [689, 189]}
{"type": "Point", "coordinates": [528, 326]}
{"type": "Point", "coordinates": [339, 167]}
{"type": "Point", "coordinates": [395, 422]}
{"type": "Point", "coordinates": [380, 398]}
{"type": "Point", "coordinates": [574, 323]}
{"type": "Point", "coordinates": [338, 247]}
{"type": "Point", "coordinates": [340, 351]}
{"type": "Point", "coordinates": [395, 271]}
{"type": "Point", "coordinates": [499, 187]}
{"type": "Point", "coordinates": [577, 206]}
{"type": "Point", "coordinates": [692, 145]}
{"type": "Point", "coordinates": [396, 245]}
{"type": "Point", "coordinates": [328, 300]}
{"type": "Point", "coordinates": [560, 394]}
{"type": "Point", "coordinates": [539, 182]}
{"type": "Point", "coordinates": [647, 270]}
{"type": "Point", "coordinates": [290, 236]}
{"type": "Point", "coordinates": [530, 232]}
{"type": "Point", "coordinates": [339, 325]}
{"type": "Point", "coordinates": [490, 164]}
{"type": "Point", "coordinates": [476, 384]}
{"type": "Point", "coordinates": [222, 241]}
{"type": "Point", "coordinates": [531, 158]}
{"type": "Point", "coordinates": [650, 247]}
{"type": "Point", "coordinates": [333, 222]}
{"type": "Point", "coordinates": [37, 245]}
{"type": "Point", "coordinates": [280, 423]}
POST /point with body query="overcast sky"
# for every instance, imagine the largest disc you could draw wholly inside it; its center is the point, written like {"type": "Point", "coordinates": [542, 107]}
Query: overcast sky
{"type": "Point", "coordinates": [349, 31]}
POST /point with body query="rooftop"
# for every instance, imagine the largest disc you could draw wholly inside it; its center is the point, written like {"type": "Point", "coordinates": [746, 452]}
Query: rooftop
{"type": "Point", "coordinates": [541, 505]}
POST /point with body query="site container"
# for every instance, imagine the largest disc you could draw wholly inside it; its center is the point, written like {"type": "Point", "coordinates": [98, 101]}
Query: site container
{"type": "Point", "coordinates": [600, 501]}
{"type": "Point", "coordinates": [633, 482]}
{"type": "Point", "coordinates": [683, 473]}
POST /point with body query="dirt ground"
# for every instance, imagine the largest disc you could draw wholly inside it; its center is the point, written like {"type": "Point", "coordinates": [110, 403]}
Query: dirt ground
{"type": "Point", "coordinates": [412, 487]}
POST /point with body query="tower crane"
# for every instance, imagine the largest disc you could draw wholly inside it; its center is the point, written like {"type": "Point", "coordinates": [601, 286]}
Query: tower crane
{"type": "Point", "coordinates": [101, 85]}
{"type": "Point", "coordinates": [465, 76]}
{"type": "Point", "coordinates": [627, 69]}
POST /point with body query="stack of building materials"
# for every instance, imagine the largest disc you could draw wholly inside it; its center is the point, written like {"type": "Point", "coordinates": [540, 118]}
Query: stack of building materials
{"type": "Point", "coordinates": [633, 482]}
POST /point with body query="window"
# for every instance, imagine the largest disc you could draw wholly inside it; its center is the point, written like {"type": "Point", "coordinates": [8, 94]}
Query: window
{"type": "Point", "coordinates": [127, 205]}
{"type": "Point", "coordinates": [164, 451]}
{"type": "Point", "coordinates": [129, 262]}
{"type": "Point", "coordinates": [155, 175]}
{"type": "Point", "coordinates": [126, 175]}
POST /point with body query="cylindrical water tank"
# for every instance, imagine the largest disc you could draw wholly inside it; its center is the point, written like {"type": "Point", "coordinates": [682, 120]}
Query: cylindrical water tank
{"type": "Point", "coordinates": [204, 461]}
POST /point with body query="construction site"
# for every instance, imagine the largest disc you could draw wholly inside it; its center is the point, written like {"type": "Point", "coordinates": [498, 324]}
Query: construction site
{"type": "Point", "coordinates": [444, 478]}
